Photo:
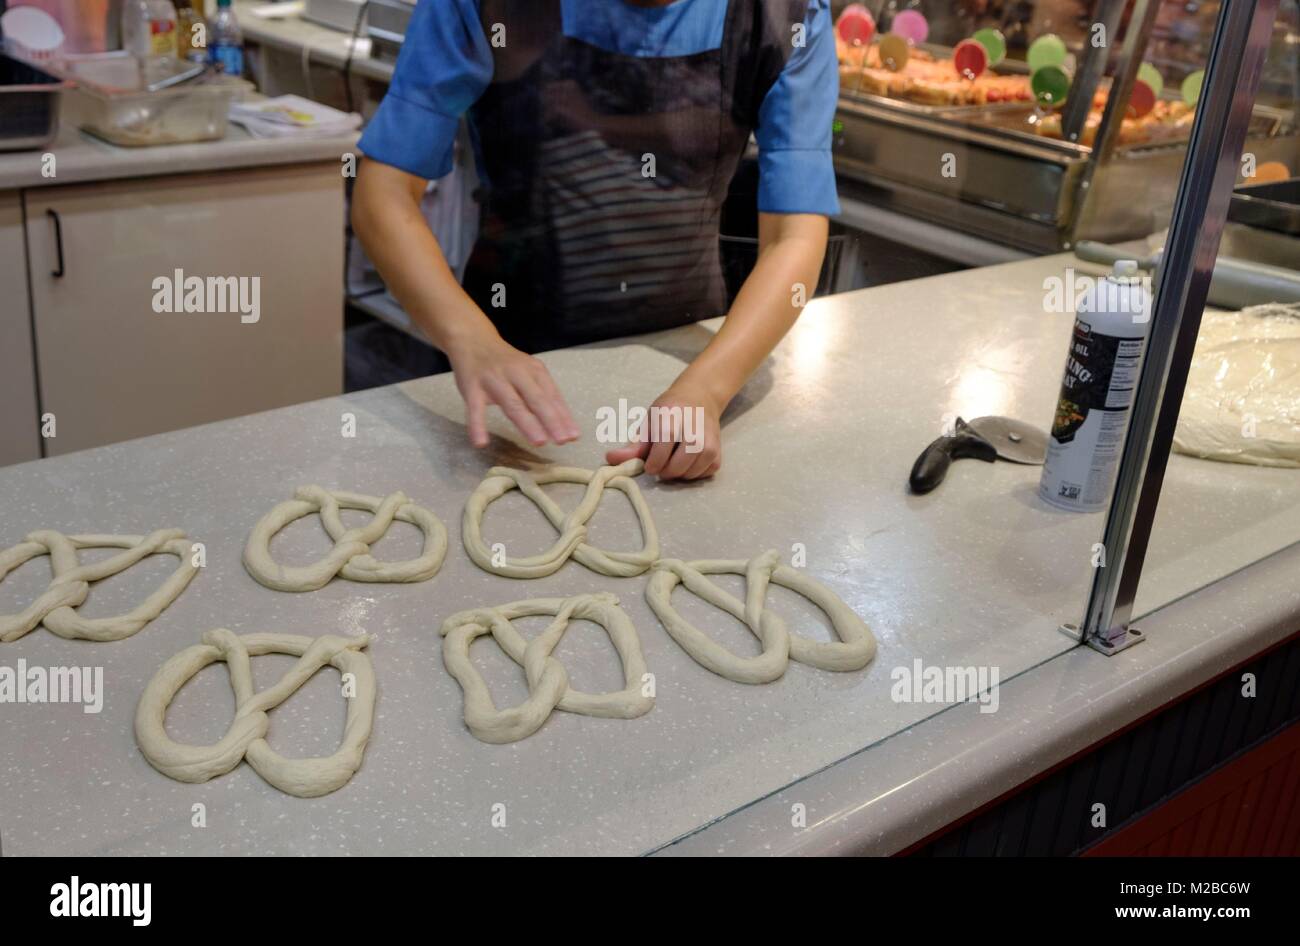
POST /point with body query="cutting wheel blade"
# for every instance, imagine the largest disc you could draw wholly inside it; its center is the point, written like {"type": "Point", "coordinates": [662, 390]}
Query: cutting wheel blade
{"type": "Point", "coordinates": [1014, 439]}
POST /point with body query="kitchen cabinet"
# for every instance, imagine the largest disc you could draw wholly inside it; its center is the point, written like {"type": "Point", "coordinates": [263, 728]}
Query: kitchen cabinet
{"type": "Point", "coordinates": [110, 367]}
{"type": "Point", "coordinates": [19, 414]}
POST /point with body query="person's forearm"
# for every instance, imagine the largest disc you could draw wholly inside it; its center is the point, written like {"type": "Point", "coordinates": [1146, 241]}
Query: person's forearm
{"type": "Point", "coordinates": [386, 216]}
{"type": "Point", "coordinates": [791, 248]}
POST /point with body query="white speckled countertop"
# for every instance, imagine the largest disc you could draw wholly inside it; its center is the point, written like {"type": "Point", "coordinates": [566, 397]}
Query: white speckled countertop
{"type": "Point", "coordinates": [817, 452]}
{"type": "Point", "coordinates": [83, 157]}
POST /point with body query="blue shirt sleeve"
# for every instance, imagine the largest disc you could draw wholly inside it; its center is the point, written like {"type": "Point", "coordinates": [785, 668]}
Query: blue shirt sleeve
{"type": "Point", "coordinates": [795, 171]}
{"type": "Point", "coordinates": [444, 66]}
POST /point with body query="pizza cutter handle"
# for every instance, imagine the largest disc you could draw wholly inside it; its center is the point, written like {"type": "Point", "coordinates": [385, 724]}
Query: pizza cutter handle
{"type": "Point", "coordinates": [932, 465]}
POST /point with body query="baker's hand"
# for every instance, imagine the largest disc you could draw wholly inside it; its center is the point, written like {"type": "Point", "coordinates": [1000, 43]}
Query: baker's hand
{"type": "Point", "coordinates": [682, 439]}
{"type": "Point", "coordinates": [489, 371]}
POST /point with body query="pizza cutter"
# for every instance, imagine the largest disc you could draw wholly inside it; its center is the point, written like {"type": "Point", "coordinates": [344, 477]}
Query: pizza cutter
{"type": "Point", "coordinates": [984, 438]}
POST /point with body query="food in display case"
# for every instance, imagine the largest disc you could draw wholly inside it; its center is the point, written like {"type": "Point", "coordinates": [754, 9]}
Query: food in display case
{"type": "Point", "coordinates": [925, 79]}
{"type": "Point", "coordinates": [1167, 121]}
{"type": "Point", "coordinates": [1025, 105]}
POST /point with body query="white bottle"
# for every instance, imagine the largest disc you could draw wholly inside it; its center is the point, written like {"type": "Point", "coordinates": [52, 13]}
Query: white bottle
{"type": "Point", "coordinates": [1101, 374]}
{"type": "Point", "coordinates": [149, 28]}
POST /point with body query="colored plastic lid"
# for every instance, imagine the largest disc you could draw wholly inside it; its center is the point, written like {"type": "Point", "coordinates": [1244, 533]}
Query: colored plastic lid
{"type": "Point", "coordinates": [1048, 50]}
{"type": "Point", "coordinates": [894, 51]}
{"type": "Point", "coordinates": [1192, 87]}
{"type": "Point", "coordinates": [910, 24]}
{"type": "Point", "coordinates": [1151, 76]}
{"type": "Point", "coordinates": [856, 25]}
{"type": "Point", "coordinates": [1051, 85]}
{"type": "Point", "coordinates": [1143, 99]}
{"type": "Point", "coordinates": [993, 42]}
{"type": "Point", "coordinates": [970, 58]}
{"type": "Point", "coordinates": [33, 33]}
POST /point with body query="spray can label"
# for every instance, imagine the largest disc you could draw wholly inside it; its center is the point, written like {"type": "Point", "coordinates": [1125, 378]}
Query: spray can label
{"type": "Point", "coordinates": [1101, 373]}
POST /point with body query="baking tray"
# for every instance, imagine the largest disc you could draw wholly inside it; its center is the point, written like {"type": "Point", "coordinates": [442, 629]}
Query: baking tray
{"type": "Point", "coordinates": [1016, 120]}
{"type": "Point", "coordinates": [1017, 191]}
{"type": "Point", "coordinates": [1008, 67]}
{"type": "Point", "coordinates": [1271, 206]}
{"type": "Point", "coordinates": [910, 107]}
{"type": "Point", "coordinates": [29, 105]}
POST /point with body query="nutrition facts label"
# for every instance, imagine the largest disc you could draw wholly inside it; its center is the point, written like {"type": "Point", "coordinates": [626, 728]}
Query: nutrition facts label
{"type": "Point", "coordinates": [1123, 377]}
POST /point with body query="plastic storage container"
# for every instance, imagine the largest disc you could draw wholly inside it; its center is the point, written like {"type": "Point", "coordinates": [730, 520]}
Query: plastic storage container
{"type": "Point", "coordinates": [111, 102]}
{"type": "Point", "coordinates": [29, 106]}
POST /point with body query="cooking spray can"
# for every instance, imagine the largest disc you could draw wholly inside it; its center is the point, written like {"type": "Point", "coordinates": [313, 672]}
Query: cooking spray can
{"type": "Point", "coordinates": [1112, 316]}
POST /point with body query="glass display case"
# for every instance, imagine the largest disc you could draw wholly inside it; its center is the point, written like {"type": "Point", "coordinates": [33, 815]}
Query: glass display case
{"type": "Point", "coordinates": [1035, 125]}
{"type": "Point", "coordinates": [1064, 125]}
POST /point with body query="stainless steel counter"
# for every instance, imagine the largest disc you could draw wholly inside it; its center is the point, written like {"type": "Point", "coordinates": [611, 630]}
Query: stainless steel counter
{"type": "Point", "coordinates": [817, 452]}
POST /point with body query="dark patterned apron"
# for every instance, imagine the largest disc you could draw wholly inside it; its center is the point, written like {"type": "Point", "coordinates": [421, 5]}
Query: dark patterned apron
{"type": "Point", "coordinates": [604, 174]}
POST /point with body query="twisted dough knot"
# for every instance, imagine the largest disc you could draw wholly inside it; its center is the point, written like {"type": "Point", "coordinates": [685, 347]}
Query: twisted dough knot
{"type": "Point", "coordinates": [572, 527]}
{"type": "Point", "coordinates": [71, 582]}
{"type": "Point", "coordinates": [350, 556]}
{"type": "Point", "coordinates": [854, 649]}
{"type": "Point", "coordinates": [548, 682]}
{"type": "Point", "coordinates": [245, 739]}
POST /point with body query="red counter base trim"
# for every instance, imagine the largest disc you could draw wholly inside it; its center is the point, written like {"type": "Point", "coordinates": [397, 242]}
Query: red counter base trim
{"type": "Point", "coordinates": [1210, 772]}
{"type": "Point", "coordinates": [1248, 807]}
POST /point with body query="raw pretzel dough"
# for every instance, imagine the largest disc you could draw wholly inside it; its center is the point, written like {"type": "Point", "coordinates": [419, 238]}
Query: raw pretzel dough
{"type": "Point", "coordinates": [548, 682]}
{"type": "Point", "coordinates": [1242, 402]}
{"type": "Point", "coordinates": [305, 778]}
{"type": "Point", "coordinates": [71, 582]}
{"type": "Point", "coordinates": [350, 556]}
{"type": "Point", "coordinates": [854, 650]}
{"type": "Point", "coordinates": [572, 528]}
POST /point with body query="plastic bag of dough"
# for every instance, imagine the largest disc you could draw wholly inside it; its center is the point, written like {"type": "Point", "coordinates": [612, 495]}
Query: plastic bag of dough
{"type": "Point", "coordinates": [1242, 402]}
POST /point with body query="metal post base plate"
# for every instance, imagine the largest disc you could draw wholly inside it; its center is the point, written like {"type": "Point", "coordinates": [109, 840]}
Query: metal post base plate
{"type": "Point", "coordinates": [1110, 647]}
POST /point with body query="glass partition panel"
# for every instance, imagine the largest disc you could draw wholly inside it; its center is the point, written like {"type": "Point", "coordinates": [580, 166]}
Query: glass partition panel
{"type": "Point", "coordinates": [1061, 141]}
{"type": "Point", "coordinates": [1231, 493]}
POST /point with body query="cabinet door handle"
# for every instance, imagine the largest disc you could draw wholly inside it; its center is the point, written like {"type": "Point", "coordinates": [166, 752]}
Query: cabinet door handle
{"type": "Point", "coordinates": [58, 241]}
